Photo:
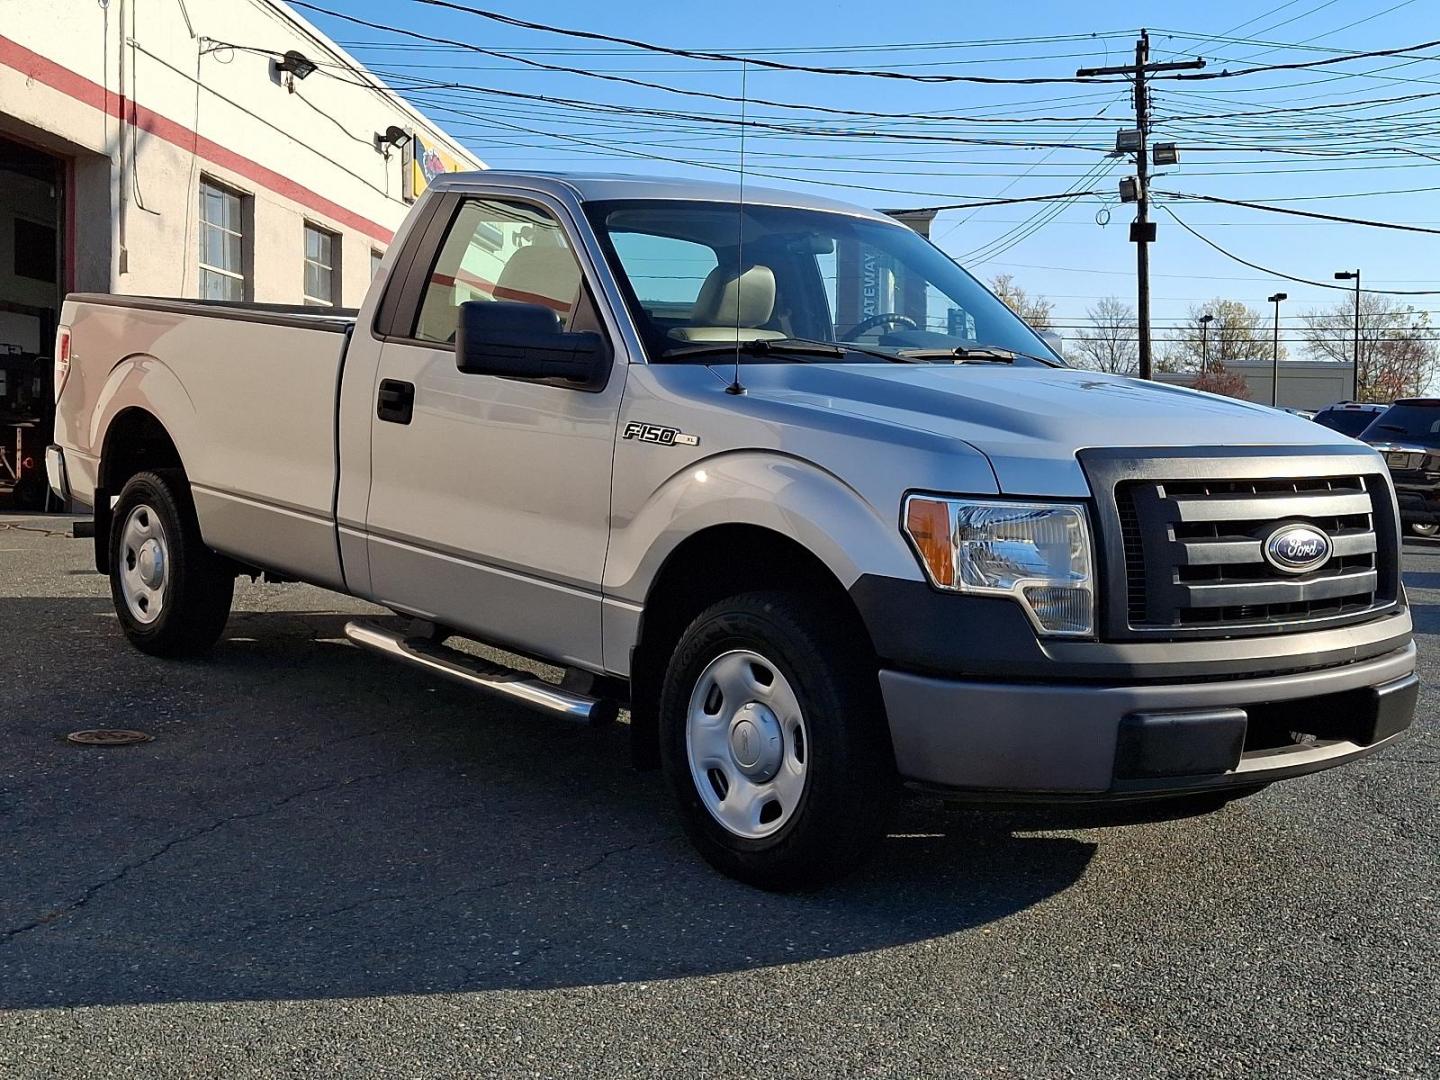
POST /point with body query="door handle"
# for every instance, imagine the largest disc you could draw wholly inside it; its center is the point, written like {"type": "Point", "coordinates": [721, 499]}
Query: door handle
{"type": "Point", "coordinates": [396, 403]}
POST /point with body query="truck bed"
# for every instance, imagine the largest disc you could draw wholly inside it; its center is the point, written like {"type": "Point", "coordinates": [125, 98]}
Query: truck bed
{"type": "Point", "coordinates": [248, 395]}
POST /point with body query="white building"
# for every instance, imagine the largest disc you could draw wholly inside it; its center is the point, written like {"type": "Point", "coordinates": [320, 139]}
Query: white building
{"type": "Point", "coordinates": [160, 147]}
{"type": "Point", "coordinates": [1304, 384]}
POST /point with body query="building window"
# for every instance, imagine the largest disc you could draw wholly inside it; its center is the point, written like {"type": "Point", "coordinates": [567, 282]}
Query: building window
{"type": "Point", "coordinates": [222, 243]}
{"type": "Point", "coordinates": [375, 257]}
{"type": "Point", "coordinates": [322, 265]}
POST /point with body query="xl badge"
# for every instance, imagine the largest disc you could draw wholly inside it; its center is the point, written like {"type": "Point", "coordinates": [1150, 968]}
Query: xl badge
{"type": "Point", "coordinates": [1297, 549]}
{"type": "Point", "coordinates": [661, 436]}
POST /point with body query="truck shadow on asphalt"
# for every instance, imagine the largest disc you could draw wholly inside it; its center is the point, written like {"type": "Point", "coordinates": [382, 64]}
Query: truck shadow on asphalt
{"type": "Point", "coordinates": [310, 822]}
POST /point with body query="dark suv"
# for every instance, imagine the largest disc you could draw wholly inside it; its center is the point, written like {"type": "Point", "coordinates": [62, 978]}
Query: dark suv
{"type": "Point", "coordinates": [1408, 435]}
{"type": "Point", "coordinates": [1349, 417]}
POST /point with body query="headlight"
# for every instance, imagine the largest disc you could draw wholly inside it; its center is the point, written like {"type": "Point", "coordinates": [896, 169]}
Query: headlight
{"type": "Point", "coordinates": [1038, 553]}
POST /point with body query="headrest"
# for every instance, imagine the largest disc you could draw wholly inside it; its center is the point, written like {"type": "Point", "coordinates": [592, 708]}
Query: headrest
{"type": "Point", "coordinates": [725, 293]}
{"type": "Point", "coordinates": [541, 275]}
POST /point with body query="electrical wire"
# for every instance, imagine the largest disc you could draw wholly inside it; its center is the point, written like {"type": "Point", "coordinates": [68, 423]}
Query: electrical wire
{"type": "Point", "coordinates": [1300, 213]}
{"type": "Point", "coordinates": [1291, 277]}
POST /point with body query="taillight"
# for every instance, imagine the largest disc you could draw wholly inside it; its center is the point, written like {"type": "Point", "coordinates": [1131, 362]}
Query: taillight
{"type": "Point", "coordinates": [62, 359]}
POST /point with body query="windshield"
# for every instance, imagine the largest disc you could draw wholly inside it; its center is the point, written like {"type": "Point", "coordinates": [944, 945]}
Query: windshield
{"type": "Point", "coordinates": [1417, 424]}
{"type": "Point", "coordinates": [1346, 421]}
{"type": "Point", "coordinates": [699, 283]}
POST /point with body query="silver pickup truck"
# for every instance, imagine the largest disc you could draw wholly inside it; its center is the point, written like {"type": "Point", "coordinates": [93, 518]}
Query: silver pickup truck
{"type": "Point", "coordinates": [776, 475]}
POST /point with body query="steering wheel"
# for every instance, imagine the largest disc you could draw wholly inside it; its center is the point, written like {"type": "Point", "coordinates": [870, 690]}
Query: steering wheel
{"type": "Point", "coordinates": [886, 318]}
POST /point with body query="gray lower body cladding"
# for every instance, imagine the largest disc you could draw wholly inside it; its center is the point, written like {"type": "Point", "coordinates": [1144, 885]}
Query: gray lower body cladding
{"type": "Point", "coordinates": [1067, 739]}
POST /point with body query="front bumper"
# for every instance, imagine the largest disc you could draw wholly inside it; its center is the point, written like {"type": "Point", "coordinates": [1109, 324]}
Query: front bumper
{"type": "Point", "coordinates": [1061, 740]}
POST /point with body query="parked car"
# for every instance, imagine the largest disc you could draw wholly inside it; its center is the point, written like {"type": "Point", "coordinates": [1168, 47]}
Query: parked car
{"type": "Point", "coordinates": [1349, 417]}
{"type": "Point", "coordinates": [1408, 435]}
{"type": "Point", "coordinates": [780, 477]}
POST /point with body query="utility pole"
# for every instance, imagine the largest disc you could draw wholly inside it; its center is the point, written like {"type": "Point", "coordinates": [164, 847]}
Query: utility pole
{"type": "Point", "coordinates": [1346, 275]}
{"type": "Point", "coordinates": [1275, 362]}
{"type": "Point", "coordinates": [1142, 229]}
{"type": "Point", "coordinates": [1205, 321]}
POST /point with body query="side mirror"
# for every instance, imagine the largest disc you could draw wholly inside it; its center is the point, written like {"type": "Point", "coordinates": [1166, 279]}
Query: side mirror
{"type": "Point", "coordinates": [524, 341]}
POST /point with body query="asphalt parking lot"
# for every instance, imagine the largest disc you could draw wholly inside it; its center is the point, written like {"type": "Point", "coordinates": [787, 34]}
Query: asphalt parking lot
{"type": "Point", "coordinates": [327, 866]}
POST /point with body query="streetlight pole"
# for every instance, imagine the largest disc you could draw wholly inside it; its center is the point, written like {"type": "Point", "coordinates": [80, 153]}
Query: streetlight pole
{"type": "Point", "coordinates": [1347, 275]}
{"type": "Point", "coordinates": [1275, 363]}
{"type": "Point", "coordinates": [1205, 321]}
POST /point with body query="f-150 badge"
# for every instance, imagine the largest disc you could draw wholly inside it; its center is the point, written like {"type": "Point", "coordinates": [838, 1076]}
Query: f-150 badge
{"type": "Point", "coordinates": [663, 436]}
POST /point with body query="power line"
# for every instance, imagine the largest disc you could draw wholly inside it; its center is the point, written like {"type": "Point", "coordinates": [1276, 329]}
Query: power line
{"type": "Point", "coordinates": [1291, 277]}
{"type": "Point", "coordinates": [1301, 213]}
{"type": "Point", "coordinates": [708, 55]}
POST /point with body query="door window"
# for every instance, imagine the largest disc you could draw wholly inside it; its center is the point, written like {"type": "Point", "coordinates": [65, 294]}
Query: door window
{"type": "Point", "coordinates": [498, 250]}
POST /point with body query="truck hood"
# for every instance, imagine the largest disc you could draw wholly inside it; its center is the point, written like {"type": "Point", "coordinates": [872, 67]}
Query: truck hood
{"type": "Point", "coordinates": [1030, 422]}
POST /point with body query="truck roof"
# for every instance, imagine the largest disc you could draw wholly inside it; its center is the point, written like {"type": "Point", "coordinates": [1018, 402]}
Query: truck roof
{"type": "Point", "coordinates": [602, 186]}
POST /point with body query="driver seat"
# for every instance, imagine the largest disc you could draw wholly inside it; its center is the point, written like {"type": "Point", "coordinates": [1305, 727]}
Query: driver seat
{"type": "Point", "coordinates": [733, 305]}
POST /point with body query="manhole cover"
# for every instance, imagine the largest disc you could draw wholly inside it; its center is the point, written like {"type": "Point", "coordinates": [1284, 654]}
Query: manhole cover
{"type": "Point", "coordinates": [108, 737]}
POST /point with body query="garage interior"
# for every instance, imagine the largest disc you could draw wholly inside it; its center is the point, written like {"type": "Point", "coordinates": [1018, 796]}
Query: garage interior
{"type": "Point", "coordinates": [32, 273]}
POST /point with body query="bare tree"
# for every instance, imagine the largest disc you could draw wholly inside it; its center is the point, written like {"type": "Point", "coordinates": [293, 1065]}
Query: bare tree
{"type": "Point", "coordinates": [1035, 310]}
{"type": "Point", "coordinates": [1110, 342]}
{"type": "Point", "coordinates": [1398, 356]}
{"type": "Point", "coordinates": [1237, 332]}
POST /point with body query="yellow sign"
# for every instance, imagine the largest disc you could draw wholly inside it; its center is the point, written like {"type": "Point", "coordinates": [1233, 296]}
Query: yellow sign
{"type": "Point", "coordinates": [423, 163]}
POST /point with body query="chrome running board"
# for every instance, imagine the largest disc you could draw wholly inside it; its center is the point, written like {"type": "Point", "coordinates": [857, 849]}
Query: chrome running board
{"type": "Point", "coordinates": [522, 686]}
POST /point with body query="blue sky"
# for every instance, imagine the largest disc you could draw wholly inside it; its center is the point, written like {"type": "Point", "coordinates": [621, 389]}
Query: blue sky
{"type": "Point", "coordinates": [1340, 158]}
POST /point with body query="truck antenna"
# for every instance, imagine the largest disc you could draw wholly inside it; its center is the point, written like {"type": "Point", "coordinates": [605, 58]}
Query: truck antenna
{"type": "Point", "coordinates": [735, 386]}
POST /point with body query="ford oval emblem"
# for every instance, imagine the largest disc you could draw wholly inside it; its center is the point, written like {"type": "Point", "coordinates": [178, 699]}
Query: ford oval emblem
{"type": "Point", "coordinates": [1298, 549]}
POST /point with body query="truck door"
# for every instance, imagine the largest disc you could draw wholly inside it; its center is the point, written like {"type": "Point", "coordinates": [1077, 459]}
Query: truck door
{"type": "Point", "coordinates": [490, 497]}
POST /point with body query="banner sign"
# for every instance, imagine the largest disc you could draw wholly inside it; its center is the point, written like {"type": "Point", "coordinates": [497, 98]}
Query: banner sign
{"type": "Point", "coordinates": [423, 163]}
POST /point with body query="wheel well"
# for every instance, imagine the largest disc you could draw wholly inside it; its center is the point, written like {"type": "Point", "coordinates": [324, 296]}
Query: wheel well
{"type": "Point", "coordinates": [722, 561]}
{"type": "Point", "coordinates": [135, 442]}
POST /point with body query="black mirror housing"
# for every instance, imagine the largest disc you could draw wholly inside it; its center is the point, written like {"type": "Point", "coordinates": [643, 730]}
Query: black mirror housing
{"type": "Point", "coordinates": [524, 341]}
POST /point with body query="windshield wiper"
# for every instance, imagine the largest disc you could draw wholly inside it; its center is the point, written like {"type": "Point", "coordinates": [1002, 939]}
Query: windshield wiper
{"type": "Point", "coordinates": [850, 346]}
{"type": "Point", "coordinates": [969, 354]}
{"type": "Point", "coordinates": [758, 347]}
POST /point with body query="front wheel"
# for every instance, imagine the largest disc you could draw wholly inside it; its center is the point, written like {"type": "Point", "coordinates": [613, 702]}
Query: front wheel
{"type": "Point", "coordinates": [775, 742]}
{"type": "Point", "coordinates": [172, 594]}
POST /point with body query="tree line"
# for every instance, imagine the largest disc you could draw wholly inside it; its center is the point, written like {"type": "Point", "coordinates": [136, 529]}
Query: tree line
{"type": "Point", "coordinates": [1399, 351]}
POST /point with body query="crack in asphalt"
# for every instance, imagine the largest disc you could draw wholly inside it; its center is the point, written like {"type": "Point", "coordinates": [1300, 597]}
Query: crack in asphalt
{"type": "Point", "coordinates": [90, 891]}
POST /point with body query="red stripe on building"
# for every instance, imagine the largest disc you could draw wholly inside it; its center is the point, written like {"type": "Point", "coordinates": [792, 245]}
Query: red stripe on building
{"type": "Point", "coordinates": [72, 84]}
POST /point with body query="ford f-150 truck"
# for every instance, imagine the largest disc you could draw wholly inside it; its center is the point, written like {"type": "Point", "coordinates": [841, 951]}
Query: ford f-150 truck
{"type": "Point", "coordinates": [778, 476]}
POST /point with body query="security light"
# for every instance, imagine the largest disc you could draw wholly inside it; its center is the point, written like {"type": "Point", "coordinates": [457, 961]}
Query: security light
{"type": "Point", "coordinates": [1129, 189]}
{"type": "Point", "coordinates": [1165, 153]}
{"type": "Point", "coordinates": [1127, 140]}
{"type": "Point", "coordinates": [296, 64]}
{"type": "Point", "coordinates": [394, 135]}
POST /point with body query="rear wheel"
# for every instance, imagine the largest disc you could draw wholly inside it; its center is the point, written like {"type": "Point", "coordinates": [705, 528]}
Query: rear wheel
{"type": "Point", "coordinates": [774, 741]}
{"type": "Point", "coordinates": [1428, 529]}
{"type": "Point", "coordinates": [172, 594]}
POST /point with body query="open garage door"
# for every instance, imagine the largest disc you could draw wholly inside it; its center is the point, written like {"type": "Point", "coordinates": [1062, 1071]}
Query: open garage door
{"type": "Point", "coordinates": [32, 226]}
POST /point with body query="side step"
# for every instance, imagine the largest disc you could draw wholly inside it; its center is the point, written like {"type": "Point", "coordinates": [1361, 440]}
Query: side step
{"type": "Point", "coordinates": [522, 686]}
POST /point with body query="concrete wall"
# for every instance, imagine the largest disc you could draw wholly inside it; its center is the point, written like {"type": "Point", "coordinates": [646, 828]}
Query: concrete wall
{"type": "Point", "coordinates": [143, 123]}
{"type": "Point", "coordinates": [1304, 384]}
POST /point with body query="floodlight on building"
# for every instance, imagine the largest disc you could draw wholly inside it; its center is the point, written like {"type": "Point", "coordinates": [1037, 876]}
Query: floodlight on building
{"type": "Point", "coordinates": [297, 64]}
{"type": "Point", "coordinates": [392, 136]}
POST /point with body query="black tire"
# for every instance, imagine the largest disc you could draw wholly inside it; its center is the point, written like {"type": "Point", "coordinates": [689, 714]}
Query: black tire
{"type": "Point", "coordinates": [850, 783]}
{"type": "Point", "coordinates": [198, 585]}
